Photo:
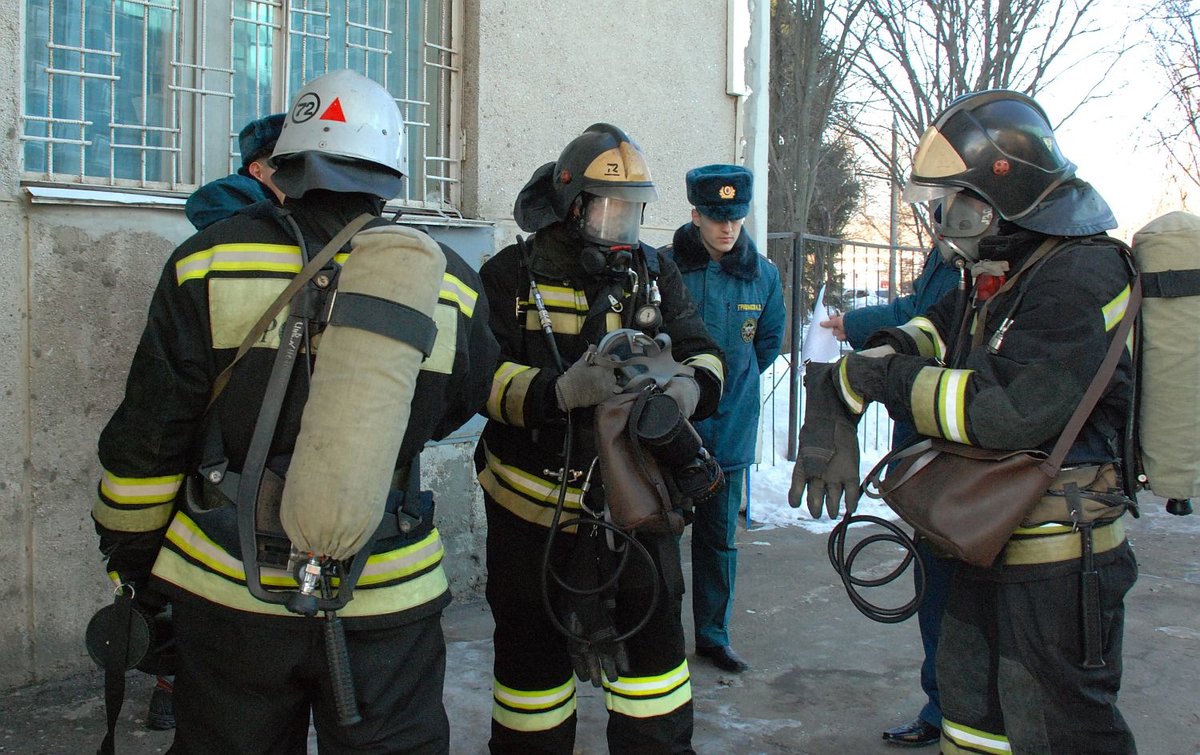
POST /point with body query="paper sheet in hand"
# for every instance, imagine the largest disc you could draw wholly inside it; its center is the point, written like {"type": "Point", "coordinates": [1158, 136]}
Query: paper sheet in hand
{"type": "Point", "coordinates": [820, 345]}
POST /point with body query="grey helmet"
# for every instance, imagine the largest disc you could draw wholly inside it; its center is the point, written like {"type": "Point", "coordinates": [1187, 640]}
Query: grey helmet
{"type": "Point", "coordinates": [344, 133]}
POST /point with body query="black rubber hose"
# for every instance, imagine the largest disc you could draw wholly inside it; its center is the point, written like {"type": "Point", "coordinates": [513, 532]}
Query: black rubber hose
{"type": "Point", "coordinates": [843, 564]}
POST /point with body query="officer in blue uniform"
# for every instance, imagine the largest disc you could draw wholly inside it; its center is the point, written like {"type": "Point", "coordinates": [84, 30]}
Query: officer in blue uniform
{"type": "Point", "coordinates": [737, 292]}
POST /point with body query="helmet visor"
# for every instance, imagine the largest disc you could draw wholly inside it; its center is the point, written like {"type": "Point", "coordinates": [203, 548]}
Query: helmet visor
{"type": "Point", "coordinates": [612, 221]}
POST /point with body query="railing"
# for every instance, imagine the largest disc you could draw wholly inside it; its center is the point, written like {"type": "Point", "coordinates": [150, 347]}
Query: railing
{"type": "Point", "coordinates": [866, 271]}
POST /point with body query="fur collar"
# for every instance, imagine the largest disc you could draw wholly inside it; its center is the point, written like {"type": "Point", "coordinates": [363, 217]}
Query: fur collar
{"type": "Point", "coordinates": [690, 254]}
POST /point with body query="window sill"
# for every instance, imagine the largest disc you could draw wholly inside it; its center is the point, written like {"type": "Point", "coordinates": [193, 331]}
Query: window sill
{"type": "Point", "coordinates": [99, 197]}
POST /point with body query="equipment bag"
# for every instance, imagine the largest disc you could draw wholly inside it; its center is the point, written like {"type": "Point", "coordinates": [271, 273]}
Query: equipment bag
{"type": "Point", "coordinates": [1167, 252]}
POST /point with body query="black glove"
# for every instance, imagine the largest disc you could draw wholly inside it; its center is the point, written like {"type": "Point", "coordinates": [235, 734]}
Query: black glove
{"type": "Point", "coordinates": [594, 655]}
{"type": "Point", "coordinates": [827, 463]}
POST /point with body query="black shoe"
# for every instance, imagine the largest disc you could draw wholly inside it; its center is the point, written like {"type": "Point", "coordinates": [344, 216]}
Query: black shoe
{"type": "Point", "coordinates": [161, 715]}
{"type": "Point", "coordinates": [915, 733]}
{"type": "Point", "coordinates": [723, 657]}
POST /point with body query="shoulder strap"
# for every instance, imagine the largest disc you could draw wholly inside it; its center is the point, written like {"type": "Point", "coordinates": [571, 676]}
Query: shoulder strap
{"type": "Point", "coordinates": [303, 277]}
{"type": "Point", "coordinates": [1044, 250]}
{"type": "Point", "coordinates": [1099, 383]}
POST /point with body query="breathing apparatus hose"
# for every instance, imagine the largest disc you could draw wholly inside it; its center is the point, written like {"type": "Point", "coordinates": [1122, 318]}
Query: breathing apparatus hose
{"type": "Point", "coordinates": [843, 564]}
{"type": "Point", "coordinates": [556, 525]}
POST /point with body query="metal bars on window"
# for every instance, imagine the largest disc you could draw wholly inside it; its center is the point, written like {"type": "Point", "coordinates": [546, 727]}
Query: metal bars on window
{"type": "Point", "coordinates": [152, 93]}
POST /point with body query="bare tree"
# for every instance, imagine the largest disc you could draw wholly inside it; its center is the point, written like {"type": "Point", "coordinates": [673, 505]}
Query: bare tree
{"type": "Point", "coordinates": [1172, 25]}
{"type": "Point", "coordinates": [925, 53]}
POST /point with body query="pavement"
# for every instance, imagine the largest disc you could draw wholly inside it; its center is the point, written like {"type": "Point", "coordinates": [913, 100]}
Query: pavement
{"type": "Point", "coordinates": [825, 679]}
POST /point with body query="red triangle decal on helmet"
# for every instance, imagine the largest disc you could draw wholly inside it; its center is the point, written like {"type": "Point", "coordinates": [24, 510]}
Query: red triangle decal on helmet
{"type": "Point", "coordinates": [333, 112]}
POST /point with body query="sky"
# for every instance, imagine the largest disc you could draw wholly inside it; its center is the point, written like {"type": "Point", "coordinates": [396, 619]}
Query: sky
{"type": "Point", "coordinates": [1109, 139]}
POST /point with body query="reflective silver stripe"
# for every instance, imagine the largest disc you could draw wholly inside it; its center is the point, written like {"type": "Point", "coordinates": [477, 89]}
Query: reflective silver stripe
{"type": "Point", "coordinates": [277, 258]}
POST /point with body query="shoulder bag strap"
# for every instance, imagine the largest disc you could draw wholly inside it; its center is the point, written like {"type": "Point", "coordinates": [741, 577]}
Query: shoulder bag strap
{"type": "Point", "coordinates": [1099, 383]}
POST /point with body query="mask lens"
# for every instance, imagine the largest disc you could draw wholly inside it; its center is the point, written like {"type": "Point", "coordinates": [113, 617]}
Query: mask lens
{"type": "Point", "coordinates": [612, 221]}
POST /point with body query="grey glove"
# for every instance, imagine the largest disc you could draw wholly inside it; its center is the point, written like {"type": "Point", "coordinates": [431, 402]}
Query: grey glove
{"type": "Point", "coordinates": [585, 383]}
{"type": "Point", "coordinates": [686, 392]}
{"type": "Point", "coordinates": [827, 463]}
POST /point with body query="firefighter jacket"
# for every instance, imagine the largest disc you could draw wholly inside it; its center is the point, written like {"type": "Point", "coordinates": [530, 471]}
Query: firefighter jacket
{"type": "Point", "coordinates": [741, 301]}
{"type": "Point", "coordinates": [519, 456]}
{"type": "Point", "coordinates": [212, 289]}
{"type": "Point", "coordinates": [1011, 376]}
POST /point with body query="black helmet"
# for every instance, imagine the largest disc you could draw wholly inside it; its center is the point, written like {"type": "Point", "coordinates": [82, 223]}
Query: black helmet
{"type": "Point", "coordinates": [603, 161]}
{"type": "Point", "coordinates": [997, 144]}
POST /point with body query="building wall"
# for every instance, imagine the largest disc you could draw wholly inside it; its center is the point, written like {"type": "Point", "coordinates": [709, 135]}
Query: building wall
{"type": "Point", "coordinates": [78, 277]}
{"type": "Point", "coordinates": [541, 71]}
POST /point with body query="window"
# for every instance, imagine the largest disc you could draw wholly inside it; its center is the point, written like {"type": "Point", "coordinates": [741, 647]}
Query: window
{"type": "Point", "coordinates": [150, 94]}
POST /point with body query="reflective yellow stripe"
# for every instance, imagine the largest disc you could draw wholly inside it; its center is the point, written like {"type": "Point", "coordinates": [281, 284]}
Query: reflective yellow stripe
{"type": "Point", "coordinates": [1114, 311]}
{"type": "Point", "coordinates": [710, 362]}
{"type": "Point", "coordinates": [957, 738]}
{"type": "Point", "coordinates": [529, 497]}
{"type": "Point", "coordinates": [561, 297]}
{"type": "Point", "coordinates": [649, 696]}
{"type": "Point", "coordinates": [141, 519]}
{"type": "Point", "coordinates": [952, 401]}
{"type": "Point", "coordinates": [923, 398]}
{"type": "Point", "coordinates": [929, 342]}
{"type": "Point", "coordinates": [563, 323]}
{"type": "Point", "coordinates": [939, 403]}
{"type": "Point", "coordinates": [532, 710]}
{"type": "Point", "coordinates": [139, 490]}
{"type": "Point", "coordinates": [211, 577]}
{"type": "Point", "coordinates": [273, 258]}
{"type": "Point", "coordinates": [1068, 546]}
{"type": "Point", "coordinates": [851, 397]}
{"type": "Point", "coordinates": [459, 293]}
{"type": "Point", "coordinates": [510, 386]}
{"type": "Point", "coordinates": [612, 321]}
{"type": "Point", "coordinates": [445, 345]}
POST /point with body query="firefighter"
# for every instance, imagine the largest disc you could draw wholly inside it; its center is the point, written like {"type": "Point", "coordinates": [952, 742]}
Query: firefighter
{"type": "Point", "coordinates": [1007, 373]}
{"type": "Point", "coordinates": [251, 673]}
{"type": "Point", "coordinates": [592, 275]}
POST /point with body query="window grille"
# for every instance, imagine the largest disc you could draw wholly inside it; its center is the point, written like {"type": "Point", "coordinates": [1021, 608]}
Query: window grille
{"type": "Point", "coordinates": [150, 94]}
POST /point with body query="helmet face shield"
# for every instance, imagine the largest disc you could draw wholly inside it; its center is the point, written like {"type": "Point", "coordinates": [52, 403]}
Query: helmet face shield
{"type": "Point", "coordinates": [611, 221]}
{"type": "Point", "coordinates": [1000, 145]}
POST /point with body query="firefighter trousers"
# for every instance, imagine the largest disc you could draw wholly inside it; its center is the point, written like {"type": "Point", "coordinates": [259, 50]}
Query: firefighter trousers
{"type": "Point", "coordinates": [247, 685]}
{"type": "Point", "coordinates": [1010, 662]}
{"type": "Point", "coordinates": [534, 705]}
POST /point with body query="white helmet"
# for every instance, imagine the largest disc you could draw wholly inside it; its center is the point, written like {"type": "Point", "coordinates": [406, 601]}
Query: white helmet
{"type": "Point", "coordinates": [345, 116]}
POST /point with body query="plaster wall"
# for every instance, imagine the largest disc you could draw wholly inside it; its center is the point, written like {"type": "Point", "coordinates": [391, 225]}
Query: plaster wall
{"type": "Point", "coordinates": [538, 72]}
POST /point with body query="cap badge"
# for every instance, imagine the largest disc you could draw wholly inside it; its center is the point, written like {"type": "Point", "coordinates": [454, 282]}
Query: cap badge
{"type": "Point", "coordinates": [727, 192]}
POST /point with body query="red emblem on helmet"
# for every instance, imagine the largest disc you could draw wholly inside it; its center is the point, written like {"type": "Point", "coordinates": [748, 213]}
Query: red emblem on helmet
{"type": "Point", "coordinates": [1001, 167]}
{"type": "Point", "coordinates": [564, 177]}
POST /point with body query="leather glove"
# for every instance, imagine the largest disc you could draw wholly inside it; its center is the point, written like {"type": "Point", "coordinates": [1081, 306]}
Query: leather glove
{"type": "Point", "coordinates": [827, 463]}
{"type": "Point", "coordinates": [594, 655]}
{"type": "Point", "coordinates": [686, 392]}
{"type": "Point", "coordinates": [585, 383]}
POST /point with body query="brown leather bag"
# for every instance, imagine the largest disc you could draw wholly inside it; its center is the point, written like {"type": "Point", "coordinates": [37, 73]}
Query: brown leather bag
{"type": "Point", "coordinates": [635, 488]}
{"type": "Point", "coordinates": [966, 501]}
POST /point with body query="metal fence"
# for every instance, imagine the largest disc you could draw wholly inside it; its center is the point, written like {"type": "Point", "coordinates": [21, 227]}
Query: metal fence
{"type": "Point", "coordinates": [865, 274]}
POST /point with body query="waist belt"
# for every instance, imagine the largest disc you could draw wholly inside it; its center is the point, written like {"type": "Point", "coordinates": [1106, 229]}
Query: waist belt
{"type": "Point", "coordinates": [1059, 542]}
